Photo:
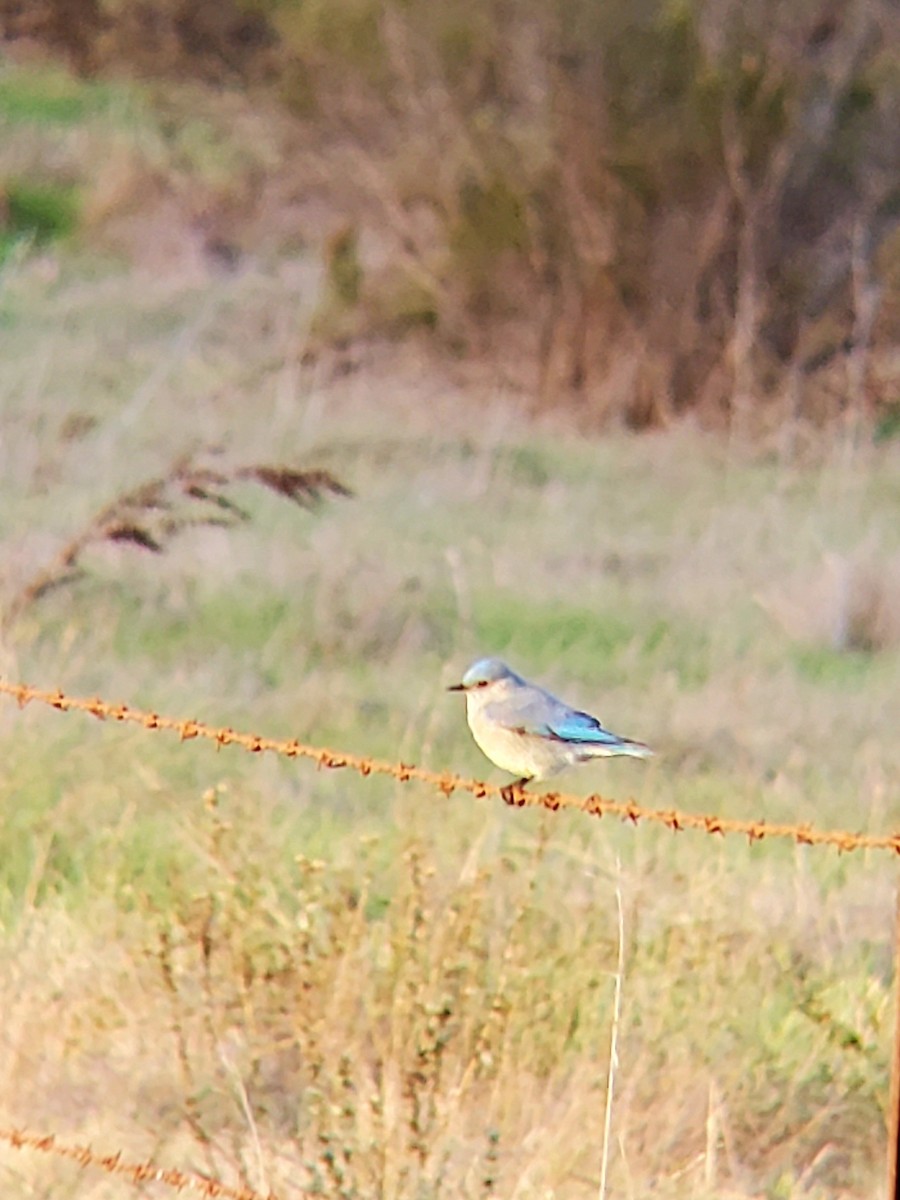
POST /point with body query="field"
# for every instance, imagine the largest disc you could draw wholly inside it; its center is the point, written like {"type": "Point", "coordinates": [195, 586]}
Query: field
{"type": "Point", "coordinates": [316, 983]}
{"type": "Point", "coordinates": [310, 980]}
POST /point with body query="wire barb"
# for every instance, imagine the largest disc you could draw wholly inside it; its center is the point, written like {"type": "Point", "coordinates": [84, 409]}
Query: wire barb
{"type": "Point", "coordinates": [137, 1172]}
{"type": "Point", "coordinates": [594, 805]}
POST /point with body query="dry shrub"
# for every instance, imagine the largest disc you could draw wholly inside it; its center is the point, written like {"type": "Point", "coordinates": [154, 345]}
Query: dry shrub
{"type": "Point", "coordinates": [375, 1040]}
{"type": "Point", "coordinates": [850, 602]}
{"type": "Point", "coordinates": [635, 212]}
{"type": "Point", "coordinates": [150, 515]}
{"type": "Point", "coordinates": [631, 208]}
{"type": "Point", "coordinates": [70, 27]}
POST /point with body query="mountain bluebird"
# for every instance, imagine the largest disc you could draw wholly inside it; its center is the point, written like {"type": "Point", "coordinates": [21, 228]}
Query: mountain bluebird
{"type": "Point", "coordinates": [527, 731]}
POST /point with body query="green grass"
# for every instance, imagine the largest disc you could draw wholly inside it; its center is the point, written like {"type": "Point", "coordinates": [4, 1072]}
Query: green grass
{"type": "Point", "coordinates": [414, 994]}
{"type": "Point", "coordinates": [46, 115]}
{"type": "Point", "coordinates": [97, 161]}
{"type": "Point", "coordinates": [43, 213]}
{"type": "Point", "coordinates": [49, 96]}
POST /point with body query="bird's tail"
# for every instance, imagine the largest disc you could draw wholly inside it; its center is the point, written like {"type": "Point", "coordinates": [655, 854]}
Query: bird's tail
{"type": "Point", "coordinates": [618, 747]}
{"type": "Point", "coordinates": [636, 749]}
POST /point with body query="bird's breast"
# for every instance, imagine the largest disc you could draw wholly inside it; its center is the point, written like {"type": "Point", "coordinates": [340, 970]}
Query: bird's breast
{"type": "Point", "coordinates": [516, 752]}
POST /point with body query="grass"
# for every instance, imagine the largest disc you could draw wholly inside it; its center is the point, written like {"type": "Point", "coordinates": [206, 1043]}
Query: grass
{"type": "Point", "coordinates": [310, 981]}
{"type": "Point", "coordinates": [50, 96]}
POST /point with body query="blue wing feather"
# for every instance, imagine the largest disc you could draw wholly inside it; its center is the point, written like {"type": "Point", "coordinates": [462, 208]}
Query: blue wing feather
{"type": "Point", "coordinates": [581, 727]}
{"type": "Point", "coordinates": [537, 713]}
{"type": "Point", "coordinates": [532, 712]}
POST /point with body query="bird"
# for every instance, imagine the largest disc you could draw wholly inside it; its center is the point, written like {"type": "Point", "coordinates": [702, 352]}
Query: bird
{"type": "Point", "coordinates": [527, 731]}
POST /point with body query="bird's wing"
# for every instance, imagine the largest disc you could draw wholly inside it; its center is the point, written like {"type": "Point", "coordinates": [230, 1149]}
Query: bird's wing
{"type": "Point", "coordinates": [533, 711]}
{"type": "Point", "coordinates": [581, 727]}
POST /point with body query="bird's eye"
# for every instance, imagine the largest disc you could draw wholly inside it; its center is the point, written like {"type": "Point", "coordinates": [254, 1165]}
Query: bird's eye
{"type": "Point", "coordinates": [481, 683]}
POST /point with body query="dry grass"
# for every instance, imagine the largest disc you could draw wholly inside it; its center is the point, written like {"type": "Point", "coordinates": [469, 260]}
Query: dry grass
{"type": "Point", "coordinates": [850, 602]}
{"type": "Point", "coordinates": [151, 515]}
{"type": "Point", "coordinates": [309, 981]}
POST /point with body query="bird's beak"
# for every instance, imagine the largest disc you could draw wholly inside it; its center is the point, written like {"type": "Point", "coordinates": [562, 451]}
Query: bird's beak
{"type": "Point", "coordinates": [456, 687]}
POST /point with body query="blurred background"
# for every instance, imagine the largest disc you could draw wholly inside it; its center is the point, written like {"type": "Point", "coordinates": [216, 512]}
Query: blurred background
{"type": "Point", "coordinates": [343, 343]}
{"type": "Point", "coordinates": [631, 211]}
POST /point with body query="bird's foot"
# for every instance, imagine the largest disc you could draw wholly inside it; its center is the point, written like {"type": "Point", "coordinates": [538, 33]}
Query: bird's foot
{"type": "Point", "coordinates": [514, 793]}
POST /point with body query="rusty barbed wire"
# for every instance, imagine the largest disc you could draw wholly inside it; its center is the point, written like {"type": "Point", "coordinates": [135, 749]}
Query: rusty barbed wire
{"type": "Point", "coordinates": [137, 1172]}
{"type": "Point", "coordinates": [594, 805]}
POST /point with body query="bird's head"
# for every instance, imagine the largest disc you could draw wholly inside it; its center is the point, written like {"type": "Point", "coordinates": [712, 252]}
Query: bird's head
{"type": "Point", "coordinates": [488, 675]}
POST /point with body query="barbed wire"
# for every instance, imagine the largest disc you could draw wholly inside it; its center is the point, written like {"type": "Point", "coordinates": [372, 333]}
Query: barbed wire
{"type": "Point", "coordinates": [137, 1172]}
{"type": "Point", "coordinates": [594, 805]}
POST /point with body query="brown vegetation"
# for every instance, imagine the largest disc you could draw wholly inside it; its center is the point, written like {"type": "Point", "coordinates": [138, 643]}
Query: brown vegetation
{"type": "Point", "coordinates": [152, 514]}
{"type": "Point", "coordinates": [679, 207]}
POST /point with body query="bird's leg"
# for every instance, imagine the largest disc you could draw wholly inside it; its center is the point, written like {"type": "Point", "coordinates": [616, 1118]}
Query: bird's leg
{"type": "Point", "coordinates": [514, 793]}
